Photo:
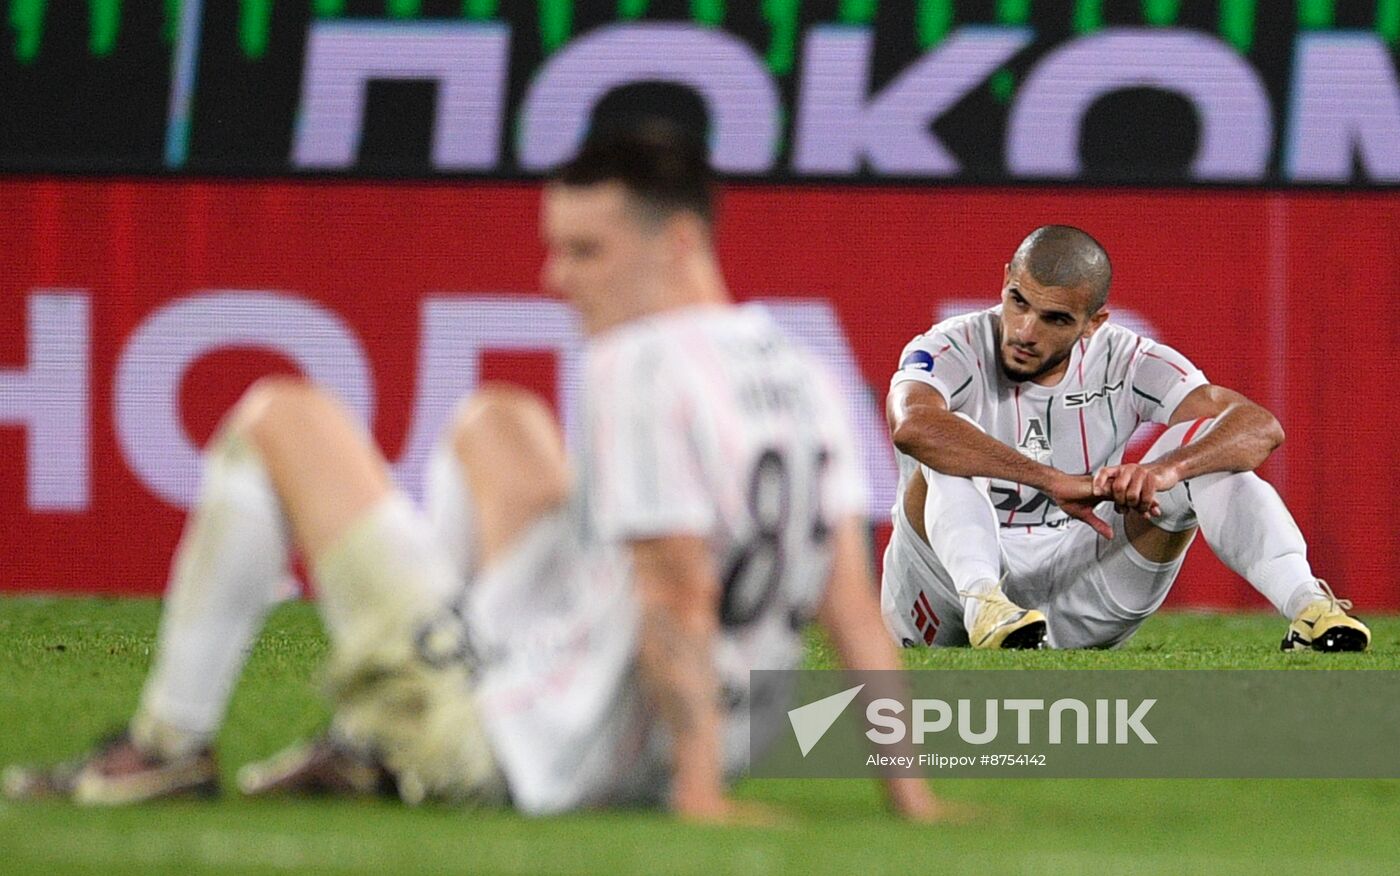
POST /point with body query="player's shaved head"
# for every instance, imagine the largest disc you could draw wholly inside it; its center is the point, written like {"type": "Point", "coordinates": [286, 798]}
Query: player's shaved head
{"type": "Point", "coordinates": [1061, 255]}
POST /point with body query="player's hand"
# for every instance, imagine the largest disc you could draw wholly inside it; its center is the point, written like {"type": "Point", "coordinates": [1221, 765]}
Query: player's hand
{"type": "Point", "coordinates": [1075, 494]}
{"type": "Point", "coordinates": [1134, 487]}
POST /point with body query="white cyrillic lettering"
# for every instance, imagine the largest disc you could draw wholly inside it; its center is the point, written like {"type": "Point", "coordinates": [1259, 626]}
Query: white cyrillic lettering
{"type": "Point", "coordinates": [454, 334]}
{"type": "Point", "coordinates": [1345, 105]}
{"type": "Point", "coordinates": [49, 398]}
{"type": "Point", "coordinates": [147, 391]}
{"type": "Point", "coordinates": [469, 63]}
{"type": "Point", "coordinates": [840, 126]}
{"type": "Point", "coordinates": [741, 96]}
{"type": "Point", "coordinates": [1042, 138]}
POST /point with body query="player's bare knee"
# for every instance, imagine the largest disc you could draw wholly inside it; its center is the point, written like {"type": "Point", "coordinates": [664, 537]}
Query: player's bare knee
{"type": "Point", "coordinates": [253, 405]}
{"type": "Point", "coordinates": [280, 404]}
{"type": "Point", "coordinates": [508, 442]}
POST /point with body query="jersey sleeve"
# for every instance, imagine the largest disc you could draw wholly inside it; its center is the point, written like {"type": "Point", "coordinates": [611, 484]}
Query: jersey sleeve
{"type": "Point", "coordinates": [1160, 378]}
{"type": "Point", "coordinates": [936, 359]}
{"type": "Point", "coordinates": [644, 464]}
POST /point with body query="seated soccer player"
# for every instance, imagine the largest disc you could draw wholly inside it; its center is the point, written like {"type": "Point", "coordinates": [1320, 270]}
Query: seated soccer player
{"type": "Point", "coordinates": [1017, 525]}
{"type": "Point", "coordinates": [554, 634]}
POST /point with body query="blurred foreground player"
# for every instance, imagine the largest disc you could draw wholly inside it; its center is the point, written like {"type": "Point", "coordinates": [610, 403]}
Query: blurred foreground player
{"type": "Point", "coordinates": [600, 648]}
{"type": "Point", "coordinates": [1010, 425]}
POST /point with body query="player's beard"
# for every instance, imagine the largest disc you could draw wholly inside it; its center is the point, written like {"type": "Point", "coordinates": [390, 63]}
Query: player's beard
{"type": "Point", "coordinates": [1049, 364]}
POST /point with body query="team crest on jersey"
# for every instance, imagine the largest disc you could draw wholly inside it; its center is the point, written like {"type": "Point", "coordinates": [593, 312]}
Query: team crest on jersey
{"type": "Point", "coordinates": [1035, 441]}
{"type": "Point", "coordinates": [919, 360]}
{"type": "Point", "coordinates": [1079, 399]}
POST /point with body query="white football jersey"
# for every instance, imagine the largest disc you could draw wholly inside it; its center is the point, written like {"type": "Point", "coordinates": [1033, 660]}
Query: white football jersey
{"type": "Point", "coordinates": [709, 421]}
{"type": "Point", "coordinates": [1116, 380]}
{"type": "Point", "coordinates": [703, 421]}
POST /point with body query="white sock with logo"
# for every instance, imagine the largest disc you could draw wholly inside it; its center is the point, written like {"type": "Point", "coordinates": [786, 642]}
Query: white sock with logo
{"type": "Point", "coordinates": [1246, 524]}
{"type": "Point", "coordinates": [963, 529]}
{"type": "Point", "coordinates": [229, 570]}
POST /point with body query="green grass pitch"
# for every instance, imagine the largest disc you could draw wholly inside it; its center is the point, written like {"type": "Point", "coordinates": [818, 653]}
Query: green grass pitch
{"type": "Point", "coordinates": [70, 670]}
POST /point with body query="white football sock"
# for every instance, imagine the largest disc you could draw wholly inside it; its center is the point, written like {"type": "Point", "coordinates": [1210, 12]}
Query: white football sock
{"type": "Point", "coordinates": [383, 573]}
{"type": "Point", "coordinates": [228, 571]}
{"type": "Point", "coordinates": [392, 601]}
{"type": "Point", "coordinates": [965, 534]}
{"type": "Point", "coordinates": [1246, 524]}
{"type": "Point", "coordinates": [448, 504]}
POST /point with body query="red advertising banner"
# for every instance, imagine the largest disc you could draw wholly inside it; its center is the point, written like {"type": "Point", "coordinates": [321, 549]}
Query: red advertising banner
{"type": "Point", "coordinates": [134, 312]}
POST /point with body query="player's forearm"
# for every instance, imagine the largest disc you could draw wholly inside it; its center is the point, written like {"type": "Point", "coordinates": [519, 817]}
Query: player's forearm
{"type": "Point", "coordinates": [1243, 437]}
{"type": "Point", "coordinates": [677, 669]}
{"type": "Point", "coordinates": [948, 444]}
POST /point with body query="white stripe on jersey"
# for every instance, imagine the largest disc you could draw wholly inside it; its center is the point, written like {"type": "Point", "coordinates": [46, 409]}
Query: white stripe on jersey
{"type": "Point", "coordinates": [1115, 381]}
